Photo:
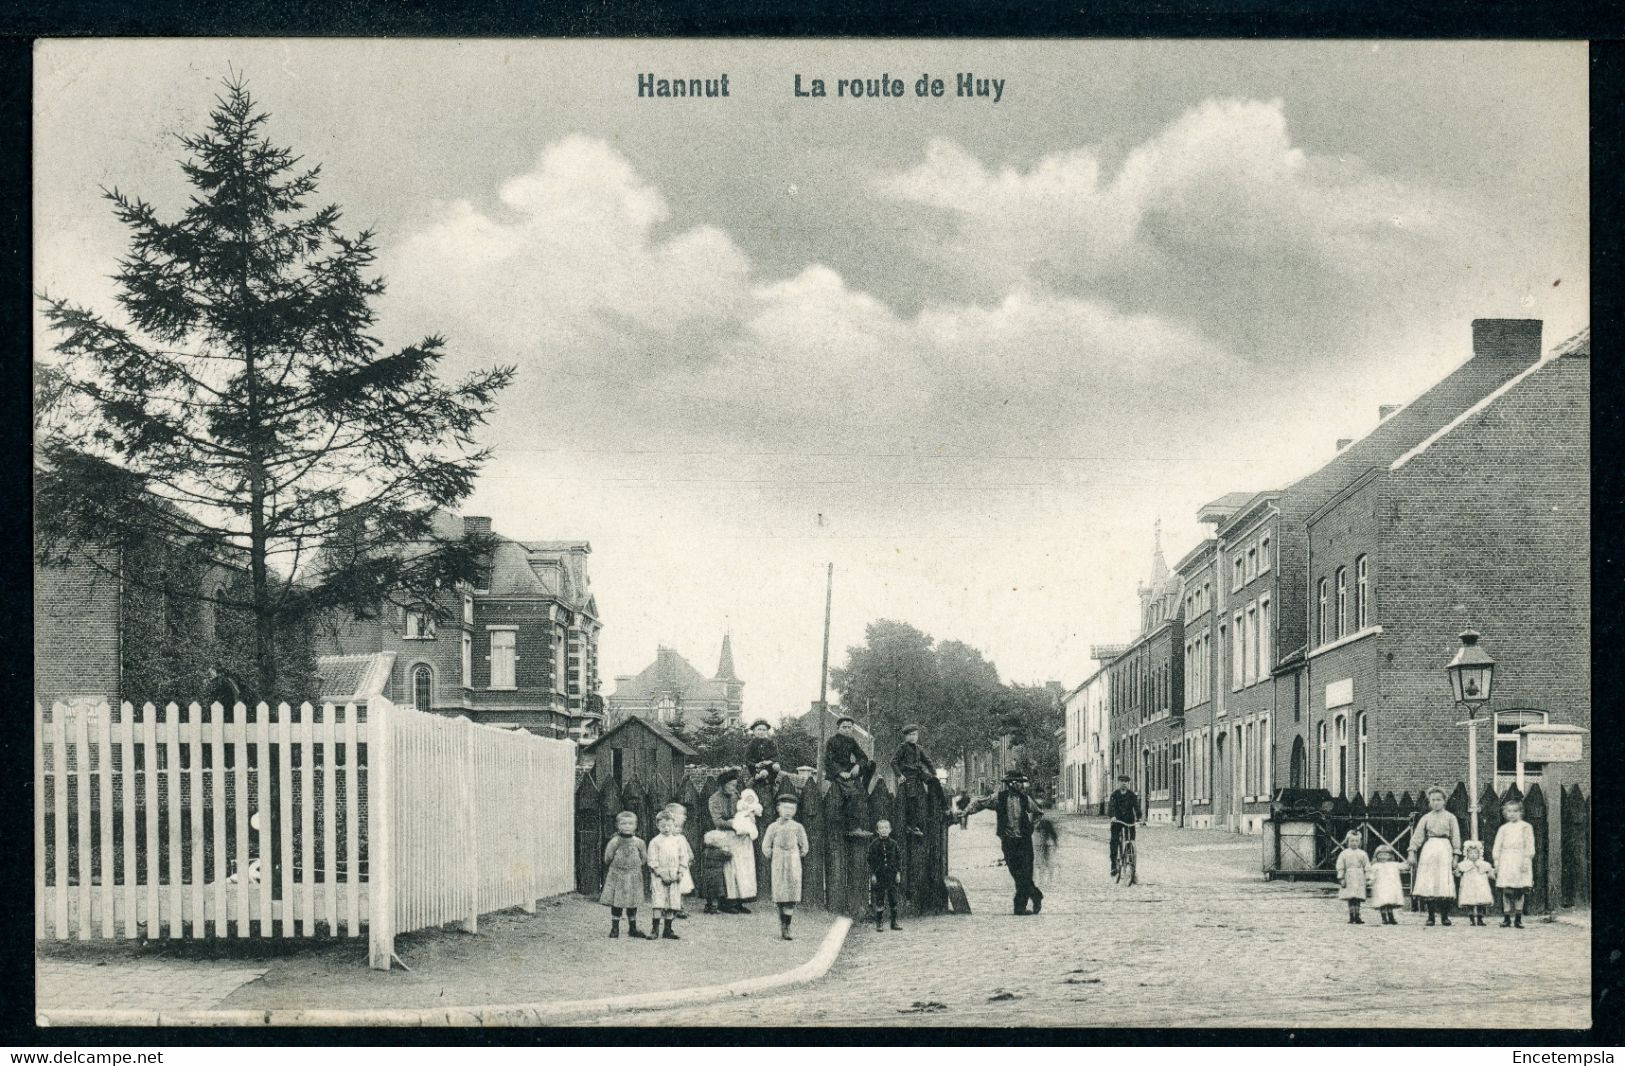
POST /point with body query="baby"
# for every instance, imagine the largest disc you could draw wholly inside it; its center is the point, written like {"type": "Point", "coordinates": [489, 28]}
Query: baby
{"type": "Point", "coordinates": [746, 811]}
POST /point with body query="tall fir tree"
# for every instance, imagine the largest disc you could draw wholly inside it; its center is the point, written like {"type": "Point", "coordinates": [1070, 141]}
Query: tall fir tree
{"type": "Point", "coordinates": [247, 409]}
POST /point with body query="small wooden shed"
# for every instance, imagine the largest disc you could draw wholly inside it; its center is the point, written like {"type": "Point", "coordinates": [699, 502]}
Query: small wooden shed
{"type": "Point", "coordinates": [639, 748]}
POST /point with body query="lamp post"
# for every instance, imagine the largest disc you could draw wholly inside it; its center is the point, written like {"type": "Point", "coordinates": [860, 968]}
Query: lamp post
{"type": "Point", "coordinates": [1471, 672]}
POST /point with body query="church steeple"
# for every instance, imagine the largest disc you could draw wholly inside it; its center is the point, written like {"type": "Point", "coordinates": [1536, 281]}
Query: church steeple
{"type": "Point", "coordinates": [725, 665]}
{"type": "Point", "coordinates": [1159, 565]}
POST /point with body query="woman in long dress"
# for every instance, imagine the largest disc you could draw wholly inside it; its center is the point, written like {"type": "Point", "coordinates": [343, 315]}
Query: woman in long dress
{"type": "Point", "coordinates": [1435, 849]}
{"type": "Point", "coordinates": [739, 874]}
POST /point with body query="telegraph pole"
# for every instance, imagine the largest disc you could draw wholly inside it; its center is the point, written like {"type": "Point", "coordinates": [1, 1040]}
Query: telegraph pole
{"type": "Point", "coordinates": [823, 674]}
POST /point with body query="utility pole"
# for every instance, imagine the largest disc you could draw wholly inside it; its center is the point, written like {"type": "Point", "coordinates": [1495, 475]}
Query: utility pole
{"type": "Point", "coordinates": [823, 674]}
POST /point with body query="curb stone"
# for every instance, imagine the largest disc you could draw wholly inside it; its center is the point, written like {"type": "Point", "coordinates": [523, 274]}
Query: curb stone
{"type": "Point", "coordinates": [511, 1014]}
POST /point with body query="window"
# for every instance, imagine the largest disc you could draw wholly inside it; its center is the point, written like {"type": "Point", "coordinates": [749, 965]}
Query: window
{"type": "Point", "coordinates": [1252, 643]}
{"type": "Point", "coordinates": [1264, 560]}
{"type": "Point", "coordinates": [1365, 767]}
{"type": "Point", "coordinates": [1266, 745]}
{"type": "Point", "coordinates": [1362, 593]}
{"type": "Point", "coordinates": [1266, 638]}
{"type": "Point", "coordinates": [558, 659]}
{"type": "Point", "coordinates": [1207, 595]}
{"type": "Point", "coordinates": [420, 622]}
{"type": "Point", "coordinates": [468, 660]}
{"type": "Point", "coordinates": [468, 609]}
{"type": "Point", "coordinates": [1325, 767]}
{"type": "Point", "coordinates": [666, 709]}
{"type": "Point", "coordinates": [1340, 726]}
{"type": "Point", "coordinates": [502, 658]}
{"type": "Point", "coordinates": [1249, 759]}
{"type": "Point", "coordinates": [211, 616]}
{"type": "Point", "coordinates": [1320, 632]}
{"type": "Point", "coordinates": [1237, 579]}
{"type": "Point", "coordinates": [1507, 724]}
{"type": "Point", "coordinates": [1342, 600]}
{"type": "Point", "coordinates": [422, 687]}
{"type": "Point", "coordinates": [1237, 640]}
{"type": "Point", "coordinates": [1252, 561]}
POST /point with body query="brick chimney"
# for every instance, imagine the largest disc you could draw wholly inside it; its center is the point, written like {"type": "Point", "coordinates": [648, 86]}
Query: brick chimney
{"type": "Point", "coordinates": [1384, 410]}
{"type": "Point", "coordinates": [476, 525]}
{"type": "Point", "coordinates": [1507, 338]}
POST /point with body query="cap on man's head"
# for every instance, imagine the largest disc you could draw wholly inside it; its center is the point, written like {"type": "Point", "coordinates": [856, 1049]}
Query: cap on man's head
{"type": "Point", "coordinates": [790, 798]}
{"type": "Point", "coordinates": [1123, 778]}
{"type": "Point", "coordinates": [727, 775]}
{"type": "Point", "coordinates": [845, 718]}
{"type": "Point", "coordinates": [910, 728]}
{"type": "Point", "coordinates": [761, 721]}
{"type": "Point", "coordinates": [1014, 776]}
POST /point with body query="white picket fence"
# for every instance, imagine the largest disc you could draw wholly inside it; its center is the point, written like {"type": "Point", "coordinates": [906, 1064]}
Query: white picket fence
{"type": "Point", "coordinates": [237, 823]}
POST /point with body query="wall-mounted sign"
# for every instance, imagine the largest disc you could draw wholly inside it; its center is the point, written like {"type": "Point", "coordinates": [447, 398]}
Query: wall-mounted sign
{"type": "Point", "coordinates": [1340, 693]}
{"type": "Point", "coordinates": [1548, 747]}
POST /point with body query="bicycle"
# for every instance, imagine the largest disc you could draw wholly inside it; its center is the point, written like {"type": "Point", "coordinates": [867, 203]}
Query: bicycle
{"type": "Point", "coordinates": [1127, 859]}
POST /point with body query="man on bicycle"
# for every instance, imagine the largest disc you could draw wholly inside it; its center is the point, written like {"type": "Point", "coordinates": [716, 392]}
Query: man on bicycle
{"type": "Point", "coordinates": [1124, 807]}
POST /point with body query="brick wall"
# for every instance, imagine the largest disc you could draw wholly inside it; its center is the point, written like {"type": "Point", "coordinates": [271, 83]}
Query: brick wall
{"type": "Point", "coordinates": [76, 634]}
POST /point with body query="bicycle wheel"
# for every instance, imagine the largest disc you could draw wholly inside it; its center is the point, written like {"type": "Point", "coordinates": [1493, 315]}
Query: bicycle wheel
{"type": "Point", "coordinates": [1128, 869]}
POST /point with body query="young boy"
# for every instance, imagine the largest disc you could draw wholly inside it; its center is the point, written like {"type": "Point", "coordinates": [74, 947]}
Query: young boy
{"type": "Point", "coordinates": [914, 770]}
{"type": "Point", "coordinates": [885, 872]}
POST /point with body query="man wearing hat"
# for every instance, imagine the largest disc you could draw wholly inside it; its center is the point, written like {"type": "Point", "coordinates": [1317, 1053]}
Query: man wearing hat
{"type": "Point", "coordinates": [1018, 816]}
{"type": "Point", "coordinates": [1124, 807]}
{"type": "Point", "coordinates": [914, 771]}
{"type": "Point", "coordinates": [850, 770]}
{"type": "Point", "coordinates": [762, 759]}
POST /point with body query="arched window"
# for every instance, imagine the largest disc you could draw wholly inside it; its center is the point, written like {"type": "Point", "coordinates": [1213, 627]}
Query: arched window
{"type": "Point", "coordinates": [1320, 632]}
{"type": "Point", "coordinates": [1342, 600]}
{"type": "Point", "coordinates": [422, 687]}
{"type": "Point", "coordinates": [1341, 755]}
{"type": "Point", "coordinates": [1298, 768]}
{"type": "Point", "coordinates": [1362, 593]}
{"type": "Point", "coordinates": [1365, 769]}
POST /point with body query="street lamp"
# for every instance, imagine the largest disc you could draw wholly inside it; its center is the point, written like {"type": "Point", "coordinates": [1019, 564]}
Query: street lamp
{"type": "Point", "coordinates": [1471, 672]}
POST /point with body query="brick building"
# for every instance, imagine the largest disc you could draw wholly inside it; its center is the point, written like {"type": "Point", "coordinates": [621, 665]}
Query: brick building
{"type": "Point", "coordinates": [520, 651]}
{"type": "Point", "coordinates": [670, 688]}
{"type": "Point", "coordinates": [1483, 524]}
{"type": "Point", "coordinates": [1086, 738]}
{"type": "Point", "coordinates": [1197, 576]}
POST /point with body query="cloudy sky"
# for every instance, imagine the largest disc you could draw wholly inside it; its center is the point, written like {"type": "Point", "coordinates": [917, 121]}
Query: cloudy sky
{"type": "Point", "coordinates": [969, 352]}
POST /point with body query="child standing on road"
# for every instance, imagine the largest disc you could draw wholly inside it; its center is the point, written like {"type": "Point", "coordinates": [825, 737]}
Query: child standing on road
{"type": "Point", "coordinates": [1514, 855]}
{"type": "Point", "coordinates": [1387, 891]}
{"type": "Point", "coordinates": [714, 871]}
{"type": "Point", "coordinates": [784, 843]}
{"type": "Point", "coordinates": [669, 858]}
{"type": "Point", "coordinates": [679, 816]}
{"type": "Point", "coordinates": [1353, 871]}
{"type": "Point", "coordinates": [1473, 894]}
{"type": "Point", "coordinates": [625, 856]}
{"type": "Point", "coordinates": [885, 872]}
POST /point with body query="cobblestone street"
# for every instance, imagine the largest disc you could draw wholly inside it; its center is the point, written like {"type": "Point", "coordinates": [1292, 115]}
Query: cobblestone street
{"type": "Point", "coordinates": [1204, 941]}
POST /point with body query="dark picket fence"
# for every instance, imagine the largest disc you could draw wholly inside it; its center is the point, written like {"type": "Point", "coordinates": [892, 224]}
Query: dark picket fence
{"type": "Point", "coordinates": [1385, 819]}
{"type": "Point", "coordinates": [835, 873]}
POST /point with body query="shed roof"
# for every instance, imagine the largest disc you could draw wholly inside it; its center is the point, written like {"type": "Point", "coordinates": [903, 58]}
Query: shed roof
{"type": "Point", "coordinates": [653, 726]}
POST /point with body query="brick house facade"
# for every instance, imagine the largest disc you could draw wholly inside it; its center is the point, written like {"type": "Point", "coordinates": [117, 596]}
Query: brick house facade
{"type": "Point", "coordinates": [1249, 582]}
{"type": "Point", "coordinates": [1196, 573]}
{"type": "Point", "coordinates": [1485, 524]}
{"type": "Point", "coordinates": [520, 651]}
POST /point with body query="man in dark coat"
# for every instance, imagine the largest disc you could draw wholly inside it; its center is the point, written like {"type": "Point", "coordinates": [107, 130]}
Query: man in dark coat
{"type": "Point", "coordinates": [850, 770]}
{"type": "Point", "coordinates": [762, 760]}
{"type": "Point", "coordinates": [914, 770]}
{"type": "Point", "coordinates": [1124, 808]}
{"type": "Point", "coordinates": [1018, 816]}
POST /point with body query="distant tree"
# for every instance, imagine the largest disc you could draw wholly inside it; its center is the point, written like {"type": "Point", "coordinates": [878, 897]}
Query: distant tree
{"type": "Point", "coordinates": [1030, 714]}
{"type": "Point", "coordinates": [798, 745]}
{"type": "Point", "coordinates": [247, 408]}
{"type": "Point", "coordinates": [893, 674]}
{"type": "Point", "coordinates": [968, 691]}
{"type": "Point", "coordinates": [679, 726]}
{"type": "Point", "coordinates": [720, 742]}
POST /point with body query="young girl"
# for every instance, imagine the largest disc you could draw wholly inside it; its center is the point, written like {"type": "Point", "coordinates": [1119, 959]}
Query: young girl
{"type": "Point", "coordinates": [1514, 855]}
{"type": "Point", "coordinates": [669, 859]}
{"type": "Point", "coordinates": [1435, 847]}
{"type": "Point", "coordinates": [746, 811]}
{"type": "Point", "coordinates": [679, 814]}
{"type": "Point", "coordinates": [625, 856]}
{"type": "Point", "coordinates": [1353, 870]}
{"type": "Point", "coordinates": [714, 871]}
{"type": "Point", "coordinates": [1474, 894]}
{"type": "Point", "coordinates": [785, 842]}
{"type": "Point", "coordinates": [1387, 891]}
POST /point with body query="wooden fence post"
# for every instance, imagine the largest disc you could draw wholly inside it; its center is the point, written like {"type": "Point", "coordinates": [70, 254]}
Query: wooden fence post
{"type": "Point", "coordinates": [380, 831]}
{"type": "Point", "coordinates": [471, 827]}
{"type": "Point", "coordinates": [811, 814]}
{"type": "Point", "coordinates": [1536, 813]}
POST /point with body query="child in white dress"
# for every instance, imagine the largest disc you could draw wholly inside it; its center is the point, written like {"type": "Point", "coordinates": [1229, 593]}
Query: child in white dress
{"type": "Point", "coordinates": [746, 811]}
{"type": "Point", "coordinates": [1387, 890]}
{"type": "Point", "coordinates": [1473, 894]}
{"type": "Point", "coordinates": [1514, 854]}
{"type": "Point", "coordinates": [1353, 869]}
{"type": "Point", "coordinates": [669, 859]}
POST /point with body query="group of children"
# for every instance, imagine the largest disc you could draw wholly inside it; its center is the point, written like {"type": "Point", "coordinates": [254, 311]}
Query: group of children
{"type": "Point", "coordinates": [670, 859]}
{"type": "Point", "coordinates": [1438, 882]}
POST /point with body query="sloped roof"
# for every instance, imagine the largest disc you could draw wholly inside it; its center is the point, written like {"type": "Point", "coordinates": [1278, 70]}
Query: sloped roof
{"type": "Point", "coordinates": [669, 673]}
{"type": "Point", "coordinates": [654, 727]}
{"type": "Point", "coordinates": [351, 678]}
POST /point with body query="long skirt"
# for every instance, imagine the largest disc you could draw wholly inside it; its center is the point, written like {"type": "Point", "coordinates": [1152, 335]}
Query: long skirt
{"type": "Point", "coordinates": [741, 872]}
{"type": "Point", "coordinates": [1435, 877]}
